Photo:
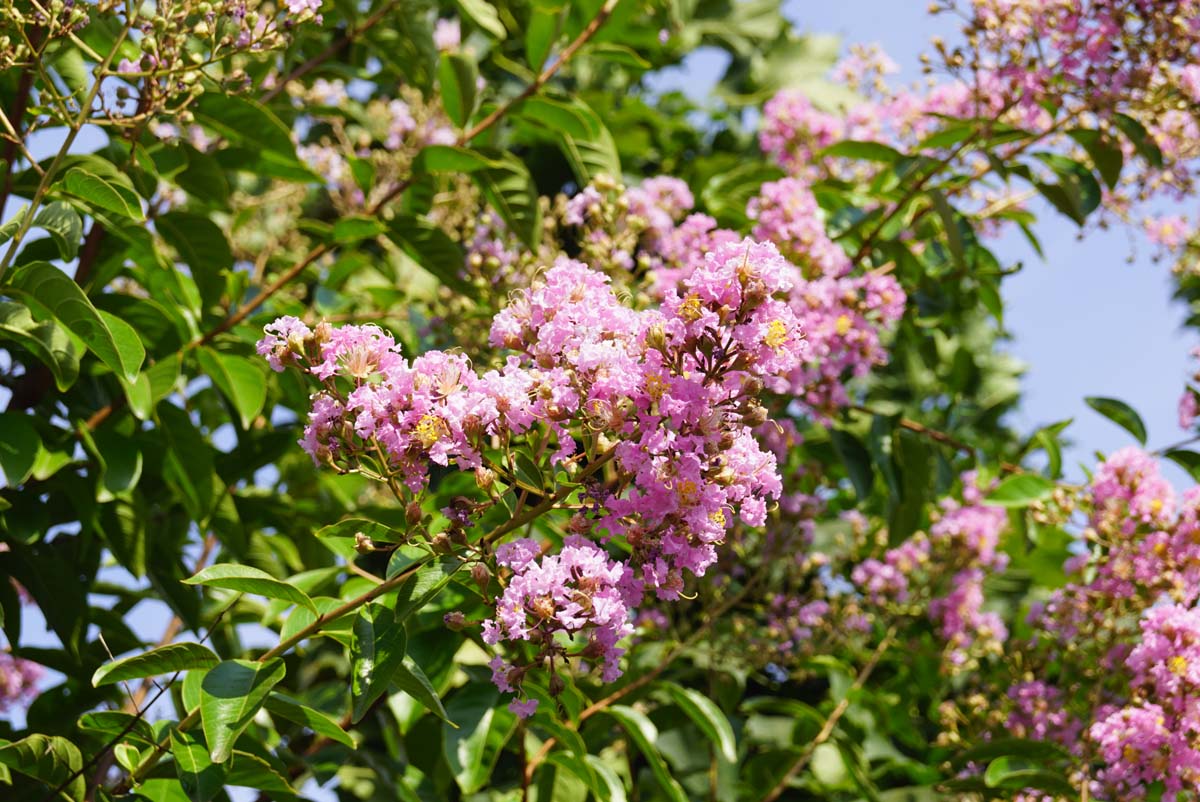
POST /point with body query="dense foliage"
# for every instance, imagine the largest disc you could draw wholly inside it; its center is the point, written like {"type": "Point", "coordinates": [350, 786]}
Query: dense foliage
{"type": "Point", "coordinates": [491, 426]}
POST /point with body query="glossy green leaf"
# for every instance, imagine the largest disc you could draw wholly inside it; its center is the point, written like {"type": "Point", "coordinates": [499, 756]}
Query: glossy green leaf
{"type": "Point", "coordinates": [202, 246]}
{"type": "Point", "coordinates": [242, 380]}
{"type": "Point", "coordinates": [509, 189]}
{"type": "Point", "coordinates": [377, 652]}
{"type": "Point", "coordinates": [409, 678]}
{"type": "Point", "coordinates": [286, 708]}
{"type": "Point", "coordinates": [201, 778]}
{"type": "Point", "coordinates": [50, 759]}
{"type": "Point", "coordinates": [163, 660]}
{"type": "Point", "coordinates": [46, 340]}
{"type": "Point", "coordinates": [1121, 414]}
{"type": "Point", "coordinates": [63, 225]}
{"type": "Point", "coordinates": [246, 579]}
{"type": "Point", "coordinates": [110, 197]}
{"type": "Point", "coordinates": [117, 344]}
{"type": "Point", "coordinates": [644, 735]}
{"type": "Point", "coordinates": [483, 14]}
{"type": "Point", "coordinates": [19, 447]}
{"type": "Point", "coordinates": [1020, 490]}
{"type": "Point", "coordinates": [707, 716]}
{"type": "Point", "coordinates": [230, 695]}
{"type": "Point", "coordinates": [484, 724]}
{"type": "Point", "coordinates": [457, 77]}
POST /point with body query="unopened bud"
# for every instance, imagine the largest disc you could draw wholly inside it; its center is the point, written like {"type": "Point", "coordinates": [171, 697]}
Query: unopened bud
{"type": "Point", "coordinates": [556, 685]}
{"type": "Point", "coordinates": [441, 543]}
{"type": "Point", "coordinates": [455, 620]}
{"type": "Point", "coordinates": [480, 575]}
{"type": "Point", "coordinates": [412, 513]}
{"type": "Point", "coordinates": [484, 477]}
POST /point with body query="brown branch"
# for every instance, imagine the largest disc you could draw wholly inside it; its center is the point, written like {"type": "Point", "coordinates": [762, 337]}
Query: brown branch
{"type": "Point", "coordinates": [831, 722]}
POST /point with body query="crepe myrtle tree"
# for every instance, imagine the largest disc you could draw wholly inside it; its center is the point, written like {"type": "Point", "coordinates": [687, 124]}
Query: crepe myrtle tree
{"type": "Point", "coordinates": [413, 400]}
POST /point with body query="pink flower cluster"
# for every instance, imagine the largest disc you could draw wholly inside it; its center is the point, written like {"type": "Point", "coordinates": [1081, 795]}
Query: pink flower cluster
{"type": "Point", "coordinates": [1157, 740]}
{"type": "Point", "coordinates": [844, 316]}
{"type": "Point", "coordinates": [578, 592]}
{"type": "Point", "coordinates": [1039, 713]}
{"type": "Point", "coordinates": [669, 394]}
{"type": "Point", "coordinates": [18, 681]}
{"type": "Point", "coordinates": [673, 389]}
{"type": "Point", "coordinates": [962, 545]}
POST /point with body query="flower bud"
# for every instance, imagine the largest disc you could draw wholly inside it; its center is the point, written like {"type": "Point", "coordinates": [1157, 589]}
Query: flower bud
{"type": "Point", "coordinates": [484, 477]}
{"type": "Point", "coordinates": [441, 543]}
{"type": "Point", "coordinates": [412, 513]}
{"type": "Point", "coordinates": [363, 544]}
{"type": "Point", "coordinates": [556, 685]}
{"type": "Point", "coordinates": [455, 620]}
{"type": "Point", "coordinates": [481, 576]}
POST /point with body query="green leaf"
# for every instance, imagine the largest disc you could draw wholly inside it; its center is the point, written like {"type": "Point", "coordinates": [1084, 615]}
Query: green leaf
{"type": "Point", "coordinates": [118, 346]}
{"type": "Point", "coordinates": [644, 734]}
{"type": "Point", "coordinates": [245, 121]}
{"type": "Point", "coordinates": [376, 653]}
{"type": "Point", "coordinates": [509, 189]}
{"type": "Point", "coordinates": [452, 159]}
{"type": "Point", "coordinates": [1077, 193]}
{"type": "Point", "coordinates": [47, 758]}
{"type": "Point", "coordinates": [245, 579]}
{"type": "Point", "coordinates": [857, 459]}
{"type": "Point", "coordinates": [419, 589]}
{"type": "Point", "coordinates": [457, 77]}
{"type": "Point", "coordinates": [483, 14]}
{"type": "Point", "coordinates": [356, 228]}
{"type": "Point", "coordinates": [46, 340]}
{"type": "Point", "coordinates": [727, 192]}
{"type": "Point", "coordinates": [865, 151]}
{"type": "Point", "coordinates": [19, 447]}
{"type": "Point", "coordinates": [1021, 490]}
{"type": "Point", "coordinates": [543, 29]}
{"type": "Point", "coordinates": [1188, 460]}
{"type": "Point", "coordinates": [586, 143]}
{"type": "Point", "coordinates": [409, 678]}
{"type": "Point", "coordinates": [1105, 154]}
{"type": "Point", "coordinates": [251, 771]}
{"type": "Point", "coordinates": [242, 380]}
{"type": "Point", "coordinates": [188, 464]}
{"type": "Point", "coordinates": [1017, 774]}
{"type": "Point", "coordinates": [103, 195]}
{"type": "Point", "coordinates": [1140, 138]}
{"type": "Point", "coordinates": [707, 716]}
{"type": "Point", "coordinates": [163, 660]}
{"type": "Point", "coordinates": [64, 226]}
{"type": "Point", "coordinates": [200, 777]}
{"type": "Point", "coordinates": [432, 249]}
{"type": "Point", "coordinates": [202, 246]}
{"type": "Point", "coordinates": [350, 528]}
{"type": "Point", "coordinates": [471, 750]}
{"type": "Point", "coordinates": [230, 695]}
{"type": "Point", "coordinates": [1119, 413]}
{"type": "Point", "coordinates": [619, 54]}
{"type": "Point", "coordinates": [287, 708]}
